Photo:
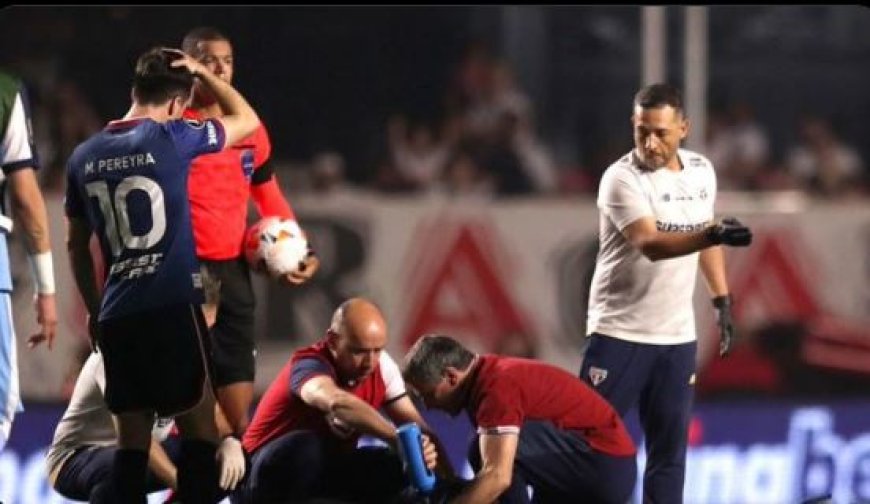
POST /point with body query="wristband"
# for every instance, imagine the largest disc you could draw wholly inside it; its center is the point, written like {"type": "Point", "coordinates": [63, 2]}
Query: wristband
{"type": "Point", "coordinates": [43, 272]}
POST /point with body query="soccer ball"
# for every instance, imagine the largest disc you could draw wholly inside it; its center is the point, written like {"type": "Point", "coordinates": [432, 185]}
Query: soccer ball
{"type": "Point", "coordinates": [275, 246]}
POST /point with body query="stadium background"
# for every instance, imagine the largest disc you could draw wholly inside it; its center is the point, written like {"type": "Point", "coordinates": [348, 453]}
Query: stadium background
{"type": "Point", "coordinates": [785, 419]}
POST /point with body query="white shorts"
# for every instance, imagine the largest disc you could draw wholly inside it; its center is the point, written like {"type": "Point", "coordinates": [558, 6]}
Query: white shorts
{"type": "Point", "coordinates": [10, 396]}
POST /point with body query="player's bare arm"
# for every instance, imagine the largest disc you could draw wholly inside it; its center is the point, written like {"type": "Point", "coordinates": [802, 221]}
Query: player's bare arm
{"type": "Point", "coordinates": [712, 262]}
{"type": "Point", "coordinates": [78, 245]}
{"type": "Point", "coordinates": [322, 393]}
{"type": "Point", "coordinates": [656, 245]}
{"type": "Point", "coordinates": [497, 457]}
{"type": "Point", "coordinates": [28, 207]}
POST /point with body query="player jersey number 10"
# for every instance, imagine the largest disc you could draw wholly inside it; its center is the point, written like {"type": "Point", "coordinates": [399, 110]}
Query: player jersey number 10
{"type": "Point", "coordinates": [114, 209]}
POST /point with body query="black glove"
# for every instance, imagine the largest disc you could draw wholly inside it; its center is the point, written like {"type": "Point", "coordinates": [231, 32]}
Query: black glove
{"type": "Point", "coordinates": [729, 231]}
{"type": "Point", "coordinates": [722, 304]}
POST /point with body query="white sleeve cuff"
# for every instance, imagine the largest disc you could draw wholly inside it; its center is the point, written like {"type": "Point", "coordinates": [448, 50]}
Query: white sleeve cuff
{"type": "Point", "coordinates": [43, 272]}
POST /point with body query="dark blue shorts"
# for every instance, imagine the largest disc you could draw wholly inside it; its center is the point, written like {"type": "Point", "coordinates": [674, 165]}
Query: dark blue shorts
{"type": "Point", "coordinates": [228, 285]}
{"type": "Point", "coordinates": [659, 381]}
{"type": "Point", "coordinates": [303, 465]}
{"type": "Point", "coordinates": [561, 467]}
{"type": "Point", "coordinates": [155, 360]}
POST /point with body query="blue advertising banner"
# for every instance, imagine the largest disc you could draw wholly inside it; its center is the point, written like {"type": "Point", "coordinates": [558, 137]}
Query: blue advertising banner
{"type": "Point", "coordinates": [740, 452]}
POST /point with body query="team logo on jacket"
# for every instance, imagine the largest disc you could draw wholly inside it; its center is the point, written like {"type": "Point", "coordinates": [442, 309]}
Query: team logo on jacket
{"type": "Point", "coordinates": [194, 123]}
{"type": "Point", "coordinates": [597, 375]}
{"type": "Point", "coordinates": [248, 163]}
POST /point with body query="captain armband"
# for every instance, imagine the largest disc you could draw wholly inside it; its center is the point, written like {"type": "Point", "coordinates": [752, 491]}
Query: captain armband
{"type": "Point", "coordinates": [41, 267]}
{"type": "Point", "coordinates": [262, 174]}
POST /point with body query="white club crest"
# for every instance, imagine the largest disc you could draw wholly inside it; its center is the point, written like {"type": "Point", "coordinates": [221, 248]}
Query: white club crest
{"type": "Point", "coordinates": [597, 375]}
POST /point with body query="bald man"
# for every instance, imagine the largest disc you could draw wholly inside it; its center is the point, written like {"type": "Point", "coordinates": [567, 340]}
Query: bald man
{"type": "Point", "coordinates": [303, 437]}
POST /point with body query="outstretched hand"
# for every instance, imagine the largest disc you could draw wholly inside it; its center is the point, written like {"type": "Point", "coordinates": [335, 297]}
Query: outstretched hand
{"type": "Point", "coordinates": [46, 317]}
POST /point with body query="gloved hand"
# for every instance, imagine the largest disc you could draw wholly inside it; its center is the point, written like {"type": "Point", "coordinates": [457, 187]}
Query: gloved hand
{"type": "Point", "coordinates": [231, 460]}
{"type": "Point", "coordinates": [722, 304]}
{"type": "Point", "coordinates": [729, 231]}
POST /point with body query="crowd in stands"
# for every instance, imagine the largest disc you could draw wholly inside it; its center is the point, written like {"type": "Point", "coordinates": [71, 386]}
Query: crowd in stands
{"type": "Point", "coordinates": [485, 144]}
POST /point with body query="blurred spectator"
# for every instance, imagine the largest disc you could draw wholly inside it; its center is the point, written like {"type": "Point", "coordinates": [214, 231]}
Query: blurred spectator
{"type": "Point", "coordinates": [519, 163]}
{"type": "Point", "coordinates": [822, 163]}
{"type": "Point", "coordinates": [417, 154]}
{"type": "Point", "coordinates": [327, 176]}
{"type": "Point", "coordinates": [501, 97]}
{"type": "Point", "coordinates": [387, 178]}
{"type": "Point", "coordinates": [464, 178]}
{"type": "Point", "coordinates": [74, 121]}
{"type": "Point", "coordinates": [738, 147]}
{"type": "Point", "coordinates": [750, 144]}
{"type": "Point", "coordinates": [517, 344]}
{"type": "Point", "coordinates": [498, 157]}
{"type": "Point", "coordinates": [535, 157]}
{"type": "Point", "coordinates": [584, 178]}
{"type": "Point", "coordinates": [470, 77]}
{"type": "Point", "coordinates": [718, 144]}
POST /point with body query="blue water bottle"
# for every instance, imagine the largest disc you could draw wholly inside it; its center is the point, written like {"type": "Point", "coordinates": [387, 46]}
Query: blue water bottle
{"type": "Point", "coordinates": [411, 450]}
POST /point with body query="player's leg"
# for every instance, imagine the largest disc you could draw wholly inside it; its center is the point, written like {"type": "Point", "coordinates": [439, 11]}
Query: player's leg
{"type": "Point", "coordinates": [197, 467]}
{"type": "Point", "coordinates": [125, 343]}
{"type": "Point", "coordinates": [82, 471]}
{"type": "Point", "coordinates": [10, 397]}
{"type": "Point", "coordinates": [560, 465]}
{"type": "Point", "coordinates": [371, 474]}
{"type": "Point", "coordinates": [232, 336]}
{"type": "Point", "coordinates": [290, 467]}
{"type": "Point", "coordinates": [131, 459]}
{"type": "Point", "coordinates": [211, 288]}
{"type": "Point", "coordinates": [665, 411]}
{"type": "Point", "coordinates": [616, 369]}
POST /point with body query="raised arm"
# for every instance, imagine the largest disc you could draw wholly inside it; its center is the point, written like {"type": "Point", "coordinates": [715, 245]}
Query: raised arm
{"type": "Point", "coordinates": [240, 119]}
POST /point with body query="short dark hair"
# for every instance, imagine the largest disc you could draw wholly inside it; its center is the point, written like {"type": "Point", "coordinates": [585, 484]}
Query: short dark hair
{"type": "Point", "coordinates": [659, 95]}
{"type": "Point", "coordinates": [156, 81]}
{"type": "Point", "coordinates": [431, 355]}
{"type": "Point", "coordinates": [200, 34]}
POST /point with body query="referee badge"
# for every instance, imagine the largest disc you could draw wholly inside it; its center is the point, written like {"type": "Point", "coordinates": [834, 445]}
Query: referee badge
{"type": "Point", "coordinates": [597, 375]}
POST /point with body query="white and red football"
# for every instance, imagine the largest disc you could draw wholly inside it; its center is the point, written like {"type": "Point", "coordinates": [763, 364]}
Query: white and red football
{"type": "Point", "coordinates": [275, 246]}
